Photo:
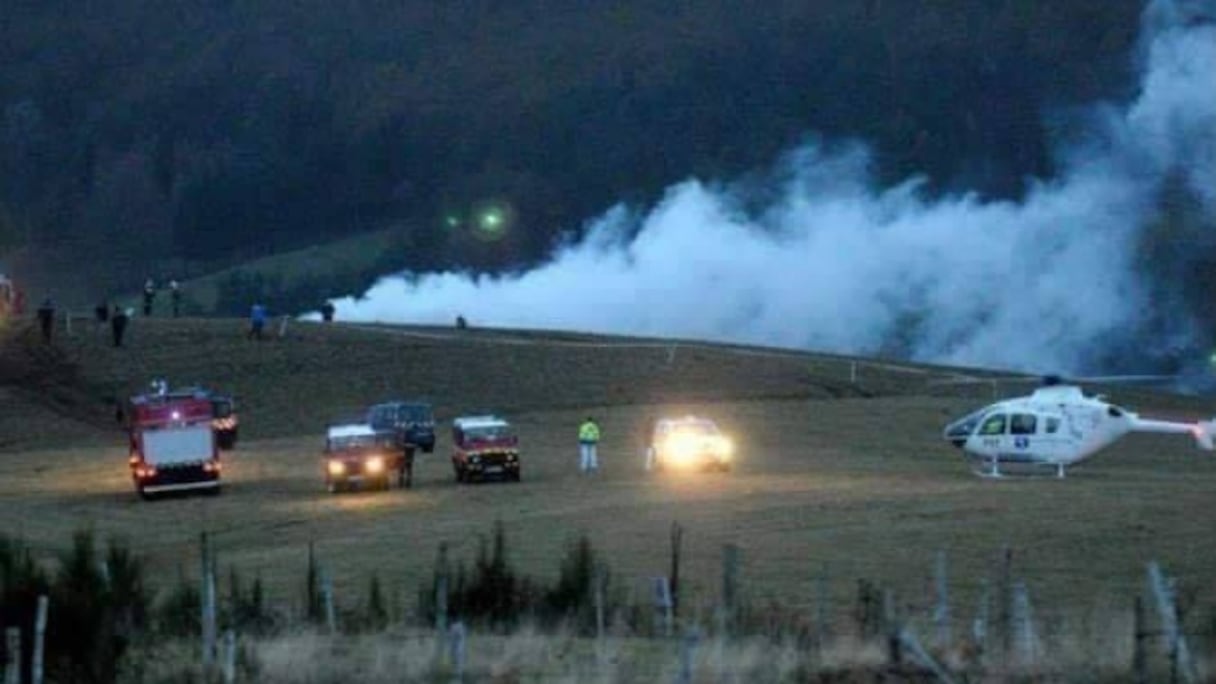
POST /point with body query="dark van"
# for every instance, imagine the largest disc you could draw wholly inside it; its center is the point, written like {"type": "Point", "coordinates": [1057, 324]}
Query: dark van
{"type": "Point", "coordinates": [413, 421]}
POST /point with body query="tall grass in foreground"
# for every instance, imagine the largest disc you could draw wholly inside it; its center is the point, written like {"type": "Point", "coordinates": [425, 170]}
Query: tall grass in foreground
{"type": "Point", "coordinates": [485, 621]}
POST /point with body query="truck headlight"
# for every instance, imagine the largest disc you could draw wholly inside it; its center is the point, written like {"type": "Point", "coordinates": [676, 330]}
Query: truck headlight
{"type": "Point", "coordinates": [374, 465]}
{"type": "Point", "coordinates": [336, 468]}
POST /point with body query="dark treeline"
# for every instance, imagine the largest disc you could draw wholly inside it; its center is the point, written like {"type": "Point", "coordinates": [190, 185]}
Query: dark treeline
{"type": "Point", "coordinates": [138, 137]}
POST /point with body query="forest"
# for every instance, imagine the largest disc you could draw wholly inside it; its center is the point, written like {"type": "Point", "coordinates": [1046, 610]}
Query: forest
{"type": "Point", "coordinates": [154, 139]}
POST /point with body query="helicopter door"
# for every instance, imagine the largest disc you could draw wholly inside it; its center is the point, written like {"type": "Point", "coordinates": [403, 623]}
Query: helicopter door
{"type": "Point", "coordinates": [1023, 442]}
{"type": "Point", "coordinates": [1053, 440]}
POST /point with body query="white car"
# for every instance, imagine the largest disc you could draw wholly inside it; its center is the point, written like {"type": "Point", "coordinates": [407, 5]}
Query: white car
{"type": "Point", "coordinates": [689, 443]}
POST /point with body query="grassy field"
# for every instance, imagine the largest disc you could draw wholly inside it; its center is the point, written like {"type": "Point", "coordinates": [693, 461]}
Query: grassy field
{"type": "Point", "coordinates": [851, 478]}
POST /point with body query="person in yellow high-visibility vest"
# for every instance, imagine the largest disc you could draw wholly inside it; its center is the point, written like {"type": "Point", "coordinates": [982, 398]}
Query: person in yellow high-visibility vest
{"type": "Point", "coordinates": [588, 439]}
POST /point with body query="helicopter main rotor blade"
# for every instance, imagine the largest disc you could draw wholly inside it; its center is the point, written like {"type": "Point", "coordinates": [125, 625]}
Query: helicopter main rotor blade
{"type": "Point", "coordinates": [1041, 379]}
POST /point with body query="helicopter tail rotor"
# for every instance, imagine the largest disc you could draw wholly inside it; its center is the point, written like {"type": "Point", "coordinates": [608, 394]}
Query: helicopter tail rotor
{"type": "Point", "coordinates": [1203, 433]}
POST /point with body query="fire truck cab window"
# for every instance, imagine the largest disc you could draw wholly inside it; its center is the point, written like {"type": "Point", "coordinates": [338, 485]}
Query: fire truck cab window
{"type": "Point", "coordinates": [993, 425]}
{"type": "Point", "coordinates": [1022, 424]}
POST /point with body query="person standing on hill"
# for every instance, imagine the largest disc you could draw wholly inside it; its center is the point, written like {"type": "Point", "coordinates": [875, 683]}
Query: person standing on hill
{"type": "Point", "coordinates": [588, 441]}
{"type": "Point", "coordinates": [118, 325]}
{"type": "Point", "coordinates": [46, 319]}
{"type": "Point", "coordinates": [327, 312]}
{"type": "Point", "coordinates": [175, 296]}
{"type": "Point", "coordinates": [149, 296]}
{"type": "Point", "coordinates": [257, 321]}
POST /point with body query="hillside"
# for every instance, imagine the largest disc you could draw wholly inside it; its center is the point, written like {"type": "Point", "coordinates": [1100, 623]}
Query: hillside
{"type": "Point", "coordinates": [341, 367]}
{"type": "Point", "coordinates": [293, 385]}
{"type": "Point", "coordinates": [140, 141]}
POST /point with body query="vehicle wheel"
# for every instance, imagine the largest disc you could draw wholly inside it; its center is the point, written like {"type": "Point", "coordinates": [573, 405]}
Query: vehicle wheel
{"type": "Point", "coordinates": [143, 493]}
{"type": "Point", "coordinates": [214, 491]}
{"type": "Point", "coordinates": [514, 477]}
{"type": "Point", "coordinates": [459, 474]}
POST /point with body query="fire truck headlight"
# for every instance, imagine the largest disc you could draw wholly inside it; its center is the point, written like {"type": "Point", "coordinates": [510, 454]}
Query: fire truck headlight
{"type": "Point", "coordinates": [374, 465]}
{"type": "Point", "coordinates": [336, 468]}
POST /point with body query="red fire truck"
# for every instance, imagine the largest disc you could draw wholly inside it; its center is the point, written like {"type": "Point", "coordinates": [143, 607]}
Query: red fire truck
{"type": "Point", "coordinates": [173, 445]}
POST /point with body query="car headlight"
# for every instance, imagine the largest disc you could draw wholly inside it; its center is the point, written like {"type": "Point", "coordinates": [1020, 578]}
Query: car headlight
{"type": "Point", "coordinates": [726, 448]}
{"type": "Point", "coordinates": [475, 459]}
{"type": "Point", "coordinates": [336, 468]}
{"type": "Point", "coordinates": [374, 465]}
{"type": "Point", "coordinates": [682, 448]}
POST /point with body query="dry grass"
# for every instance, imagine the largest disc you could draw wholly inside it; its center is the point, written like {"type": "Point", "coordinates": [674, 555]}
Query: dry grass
{"type": "Point", "coordinates": [851, 478]}
{"type": "Point", "coordinates": [526, 655]}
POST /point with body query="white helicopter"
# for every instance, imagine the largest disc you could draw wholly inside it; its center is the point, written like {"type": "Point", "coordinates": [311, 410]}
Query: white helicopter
{"type": "Point", "coordinates": [1056, 426]}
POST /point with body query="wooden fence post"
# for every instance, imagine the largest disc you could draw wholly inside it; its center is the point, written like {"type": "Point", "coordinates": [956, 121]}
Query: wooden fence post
{"type": "Point", "coordinates": [12, 669]}
{"type": "Point", "coordinates": [207, 601]}
{"type": "Point", "coordinates": [229, 657]}
{"type": "Point", "coordinates": [327, 593]}
{"type": "Point", "coordinates": [979, 627]}
{"type": "Point", "coordinates": [673, 579]}
{"type": "Point", "coordinates": [821, 608]}
{"type": "Point", "coordinates": [941, 612]}
{"type": "Point", "coordinates": [892, 628]}
{"type": "Point", "coordinates": [36, 668]}
{"type": "Point", "coordinates": [663, 604]}
{"type": "Point", "coordinates": [441, 604]}
{"type": "Point", "coordinates": [688, 650]}
{"type": "Point", "coordinates": [1027, 642]}
{"type": "Point", "coordinates": [910, 642]}
{"type": "Point", "coordinates": [730, 588]}
{"type": "Point", "coordinates": [1004, 601]}
{"type": "Point", "coordinates": [598, 576]}
{"type": "Point", "coordinates": [1181, 665]}
{"type": "Point", "coordinates": [441, 589]}
{"type": "Point", "coordinates": [459, 650]}
{"type": "Point", "coordinates": [1139, 634]}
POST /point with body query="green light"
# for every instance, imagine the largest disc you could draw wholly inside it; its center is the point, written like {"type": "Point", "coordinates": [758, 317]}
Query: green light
{"type": "Point", "coordinates": [491, 219]}
{"type": "Point", "coordinates": [452, 221]}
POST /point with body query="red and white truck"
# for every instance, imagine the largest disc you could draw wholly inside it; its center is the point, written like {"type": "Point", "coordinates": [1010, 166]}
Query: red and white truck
{"type": "Point", "coordinates": [173, 443]}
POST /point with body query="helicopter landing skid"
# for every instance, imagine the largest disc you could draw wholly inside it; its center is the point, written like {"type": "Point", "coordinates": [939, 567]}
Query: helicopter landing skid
{"type": "Point", "coordinates": [996, 469]}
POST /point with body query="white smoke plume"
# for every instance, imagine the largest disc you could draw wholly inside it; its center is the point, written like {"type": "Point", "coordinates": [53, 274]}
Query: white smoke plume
{"type": "Point", "coordinates": [835, 263]}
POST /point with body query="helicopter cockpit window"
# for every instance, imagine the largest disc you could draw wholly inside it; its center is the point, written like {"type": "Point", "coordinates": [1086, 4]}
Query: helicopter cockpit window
{"type": "Point", "coordinates": [993, 425]}
{"type": "Point", "coordinates": [1114, 411]}
{"type": "Point", "coordinates": [1022, 424]}
{"type": "Point", "coordinates": [1053, 425]}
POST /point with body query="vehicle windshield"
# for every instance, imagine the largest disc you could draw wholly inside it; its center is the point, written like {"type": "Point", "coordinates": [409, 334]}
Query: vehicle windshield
{"type": "Point", "coordinates": [488, 433]}
{"type": "Point", "coordinates": [416, 412]}
{"type": "Point", "coordinates": [221, 407]}
{"type": "Point", "coordinates": [965, 426]}
{"type": "Point", "coordinates": [357, 442]}
{"type": "Point", "coordinates": [694, 427]}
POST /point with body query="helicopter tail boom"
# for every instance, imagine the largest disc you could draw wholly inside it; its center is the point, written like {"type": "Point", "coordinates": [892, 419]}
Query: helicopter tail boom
{"type": "Point", "coordinates": [1202, 431]}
